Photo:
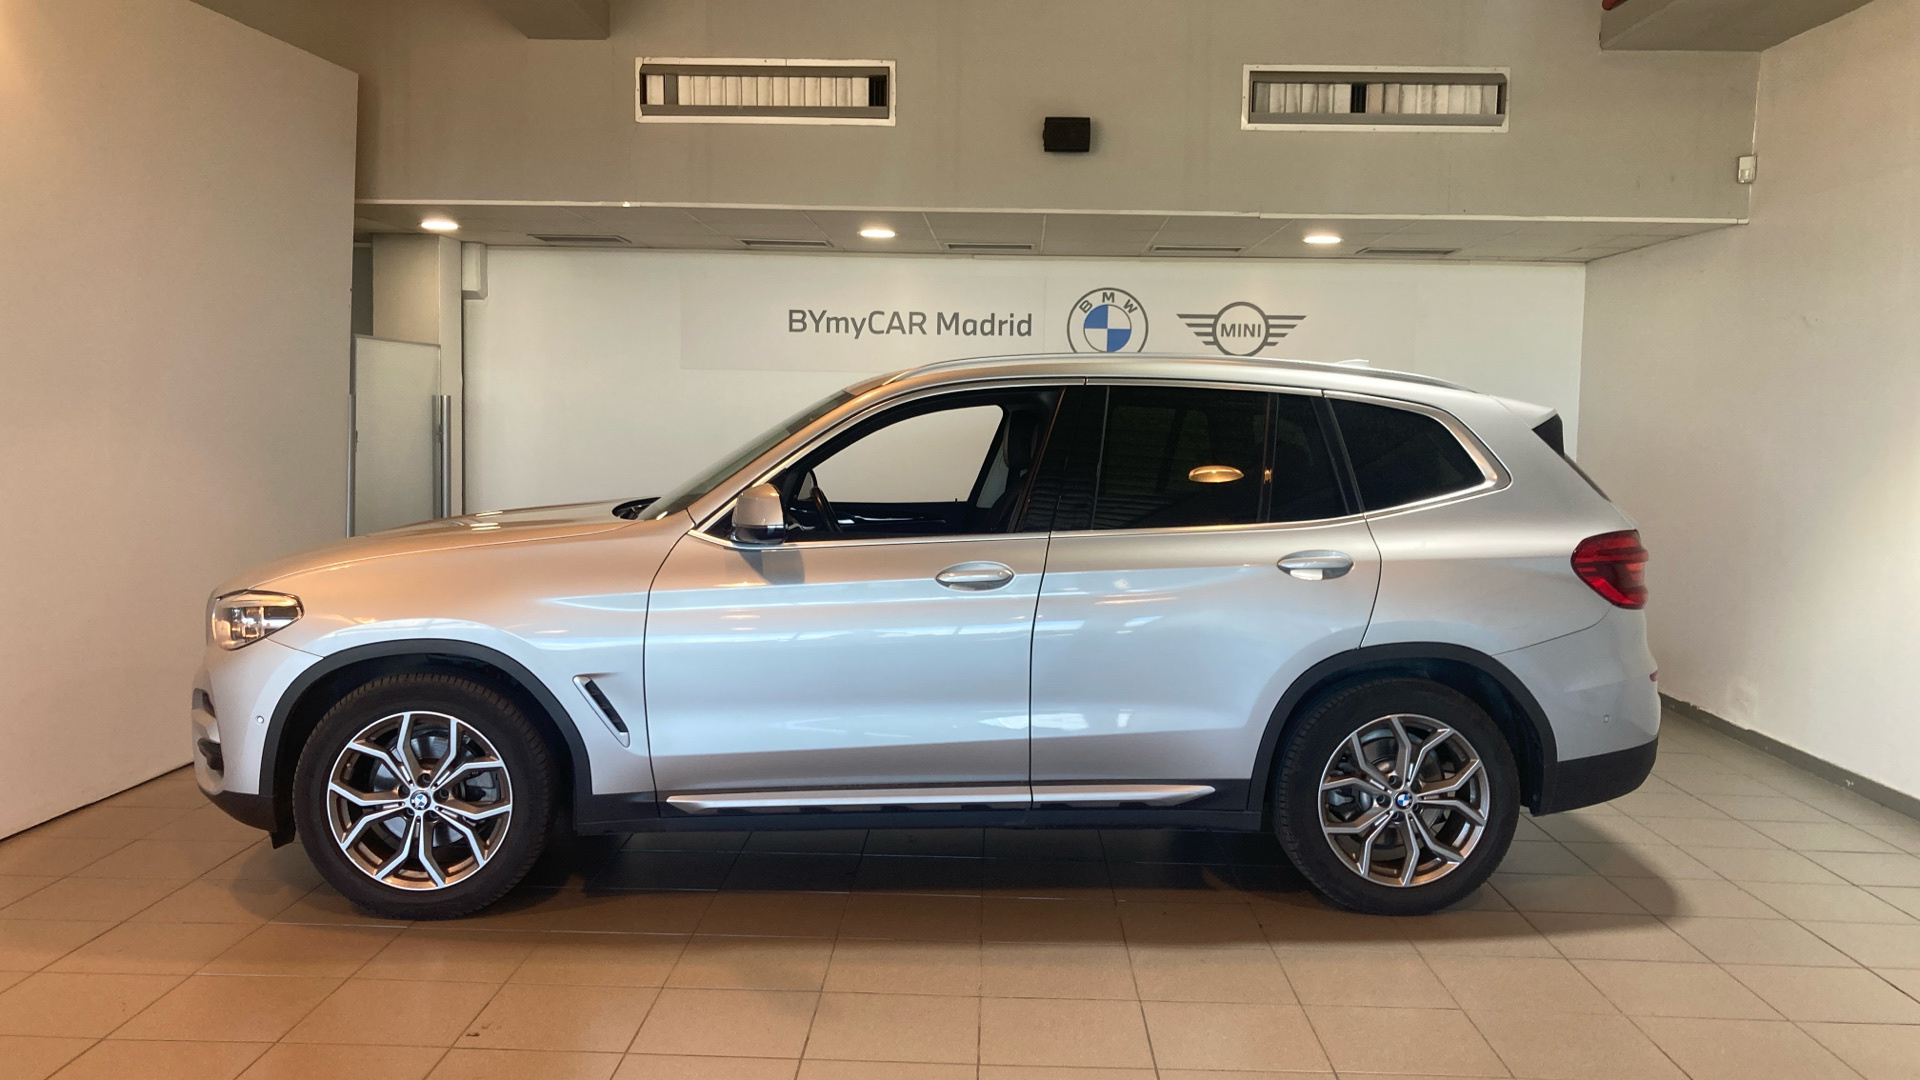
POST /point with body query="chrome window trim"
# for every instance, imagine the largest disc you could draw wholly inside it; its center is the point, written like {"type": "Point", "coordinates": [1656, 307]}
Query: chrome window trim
{"type": "Point", "coordinates": [1493, 471]}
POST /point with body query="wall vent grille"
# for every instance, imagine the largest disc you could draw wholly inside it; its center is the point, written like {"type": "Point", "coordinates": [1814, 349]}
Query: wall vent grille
{"type": "Point", "coordinates": [1195, 249]}
{"type": "Point", "coordinates": [1292, 98]}
{"type": "Point", "coordinates": [1407, 252]}
{"type": "Point", "coordinates": [788, 245]}
{"type": "Point", "coordinates": [763, 91]}
{"type": "Point", "coordinates": [983, 247]}
{"type": "Point", "coordinates": [582, 239]}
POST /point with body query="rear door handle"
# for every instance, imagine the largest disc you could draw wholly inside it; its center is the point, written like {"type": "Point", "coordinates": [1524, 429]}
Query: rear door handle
{"type": "Point", "coordinates": [1316, 565]}
{"type": "Point", "coordinates": [975, 576]}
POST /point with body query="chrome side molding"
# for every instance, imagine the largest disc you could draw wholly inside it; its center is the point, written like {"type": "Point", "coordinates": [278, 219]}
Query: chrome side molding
{"type": "Point", "coordinates": [1108, 794]}
{"type": "Point", "coordinates": [995, 796]}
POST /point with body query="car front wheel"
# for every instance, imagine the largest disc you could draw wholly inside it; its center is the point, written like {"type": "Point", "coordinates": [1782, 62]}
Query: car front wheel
{"type": "Point", "coordinates": [424, 796]}
{"type": "Point", "coordinates": [1396, 797]}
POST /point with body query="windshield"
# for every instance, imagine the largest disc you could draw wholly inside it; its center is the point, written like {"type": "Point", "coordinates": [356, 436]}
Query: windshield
{"type": "Point", "coordinates": [684, 496]}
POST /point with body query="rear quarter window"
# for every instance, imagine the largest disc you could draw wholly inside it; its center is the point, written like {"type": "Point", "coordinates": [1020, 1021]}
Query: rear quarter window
{"type": "Point", "coordinates": [1400, 456]}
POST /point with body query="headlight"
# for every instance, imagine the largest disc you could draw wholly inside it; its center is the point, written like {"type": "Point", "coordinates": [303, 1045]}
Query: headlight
{"type": "Point", "coordinates": [243, 618]}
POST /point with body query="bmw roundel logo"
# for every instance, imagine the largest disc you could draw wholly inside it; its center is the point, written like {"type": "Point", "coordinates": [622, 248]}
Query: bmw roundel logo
{"type": "Point", "coordinates": [1107, 321]}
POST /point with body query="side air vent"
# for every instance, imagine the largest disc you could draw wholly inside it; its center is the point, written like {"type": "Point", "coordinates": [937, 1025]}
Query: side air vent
{"type": "Point", "coordinates": [987, 248]}
{"type": "Point", "coordinates": [763, 91]}
{"type": "Point", "coordinates": [1407, 252]}
{"type": "Point", "coordinates": [1195, 249]}
{"type": "Point", "coordinates": [1292, 98]}
{"type": "Point", "coordinates": [788, 245]}
{"type": "Point", "coordinates": [607, 712]}
{"type": "Point", "coordinates": [582, 239]}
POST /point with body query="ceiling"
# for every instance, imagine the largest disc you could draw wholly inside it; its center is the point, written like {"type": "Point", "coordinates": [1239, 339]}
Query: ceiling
{"type": "Point", "coordinates": [694, 228]}
{"type": "Point", "coordinates": [1714, 25]}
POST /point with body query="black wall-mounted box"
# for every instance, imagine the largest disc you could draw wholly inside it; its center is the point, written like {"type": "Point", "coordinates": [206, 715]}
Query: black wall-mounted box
{"type": "Point", "coordinates": [1067, 134]}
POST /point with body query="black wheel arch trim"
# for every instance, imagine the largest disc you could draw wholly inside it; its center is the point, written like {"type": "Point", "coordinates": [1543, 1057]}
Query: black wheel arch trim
{"type": "Point", "coordinates": [424, 648]}
{"type": "Point", "coordinates": [1538, 755]}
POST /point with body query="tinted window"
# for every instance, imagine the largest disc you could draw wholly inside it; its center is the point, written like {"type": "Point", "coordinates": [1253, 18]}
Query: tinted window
{"type": "Point", "coordinates": [1063, 484]}
{"type": "Point", "coordinates": [1401, 456]}
{"type": "Point", "coordinates": [1179, 457]}
{"type": "Point", "coordinates": [1304, 487]}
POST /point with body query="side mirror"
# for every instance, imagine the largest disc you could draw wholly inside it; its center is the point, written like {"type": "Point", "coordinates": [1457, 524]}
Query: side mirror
{"type": "Point", "coordinates": [758, 516]}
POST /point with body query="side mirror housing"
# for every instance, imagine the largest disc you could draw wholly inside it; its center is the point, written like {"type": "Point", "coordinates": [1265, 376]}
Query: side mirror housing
{"type": "Point", "coordinates": [759, 518]}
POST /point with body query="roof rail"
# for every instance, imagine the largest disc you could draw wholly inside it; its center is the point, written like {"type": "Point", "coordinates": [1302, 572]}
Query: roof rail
{"type": "Point", "coordinates": [1319, 366]}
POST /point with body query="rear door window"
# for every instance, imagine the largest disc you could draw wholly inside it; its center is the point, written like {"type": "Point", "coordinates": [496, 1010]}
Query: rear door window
{"type": "Point", "coordinates": [1179, 456]}
{"type": "Point", "coordinates": [1400, 456]}
{"type": "Point", "coordinates": [1305, 484]}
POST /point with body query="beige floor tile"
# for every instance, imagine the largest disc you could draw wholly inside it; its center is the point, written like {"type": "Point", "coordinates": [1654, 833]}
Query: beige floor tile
{"type": "Point", "coordinates": [31, 944]}
{"type": "Point", "coordinates": [36, 854]}
{"type": "Point", "coordinates": [1765, 864]}
{"type": "Point", "coordinates": [1028, 1031]}
{"type": "Point", "coordinates": [293, 949]}
{"type": "Point", "coordinates": [239, 900]}
{"type": "Point", "coordinates": [1693, 833]}
{"type": "Point", "coordinates": [1757, 808]}
{"type": "Point", "coordinates": [1822, 836]}
{"type": "Point", "coordinates": [89, 899]}
{"type": "Point", "coordinates": [1329, 978]}
{"type": "Point", "coordinates": [152, 948]}
{"type": "Point", "coordinates": [895, 1027]}
{"type": "Point", "coordinates": [1834, 903]}
{"type": "Point", "coordinates": [671, 1067]}
{"type": "Point", "coordinates": [1743, 1049]}
{"type": "Point", "coordinates": [1574, 1047]}
{"type": "Point", "coordinates": [1477, 933]}
{"type": "Point", "coordinates": [1246, 974]}
{"type": "Point", "coordinates": [75, 1005]}
{"type": "Point", "coordinates": [8, 978]}
{"type": "Point", "coordinates": [575, 959]}
{"type": "Point", "coordinates": [1835, 995]}
{"type": "Point", "coordinates": [822, 1069]}
{"type": "Point", "coordinates": [33, 1057]}
{"type": "Point", "coordinates": [1643, 804]}
{"type": "Point", "coordinates": [904, 967]}
{"type": "Point", "coordinates": [1448, 1043]}
{"type": "Point", "coordinates": [206, 823]}
{"type": "Point", "coordinates": [1866, 868]}
{"type": "Point", "coordinates": [229, 1008]}
{"type": "Point", "coordinates": [534, 1017]}
{"type": "Point", "coordinates": [306, 1061]}
{"type": "Point", "coordinates": [1579, 827]}
{"type": "Point", "coordinates": [1683, 896]}
{"type": "Point", "coordinates": [386, 1012]}
{"type": "Point", "coordinates": [1154, 923]}
{"type": "Point", "coordinates": [1639, 861]}
{"type": "Point", "coordinates": [172, 860]}
{"type": "Point", "coordinates": [438, 955]}
{"type": "Point", "coordinates": [775, 914]}
{"type": "Point", "coordinates": [1213, 1035]}
{"type": "Point", "coordinates": [121, 1059]}
{"type": "Point", "coordinates": [1615, 937]}
{"type": "Point", "coordinates": [465, 1063]}
{"type": "Point", "coordinates": [1906, 898]}
{"type": "Point", "coordinates": [1876, 1051]}
{"type": "Point", "coordinates": [1541, 857]}
{"type": "Point", "coordinates": [1872, 944]}
{"type": "Point", "coordinates": [1068, 971]}
{"type": "Point", "coordinates": [1761, 941]}
{"type": "Point", "coordinates": [912, 917]}
{"type": "Point", "coordinates": [1658, 988]}
{"type": "Point", "coordinates": [171, 789]}
{"type": "Point", "coordinates": [322, 906]}
{"type": "Point", "coordinates": [1305, 922]}
{"type": "Point", "coordinates": [16, 886]}
{"type": "Point", "coordinates": [107, 821]}
{"type": "Point", "coordinates": [1514, 984]}
{"type": "Point", "coordinates": [1049, 919]}
{"type": "Point", "coordinates": [1069, 1072]}
{"type": "Point", "coordinates": [728, 1023]}
{"type": "Point", "coordinates": [287, 865]}
{"type": "Point", "coordinates": [620, 913]}
{"type": "Point", "coordinates": [738, 963]}
{"type": "Point", "coordinates": [1589, 893]}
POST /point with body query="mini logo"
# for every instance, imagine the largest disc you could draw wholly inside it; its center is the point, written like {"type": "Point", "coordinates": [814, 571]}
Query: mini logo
{"type": "Point", "coordinates": [1107, 321]}
{"type": "Point", "coordinates": [1240, 329]}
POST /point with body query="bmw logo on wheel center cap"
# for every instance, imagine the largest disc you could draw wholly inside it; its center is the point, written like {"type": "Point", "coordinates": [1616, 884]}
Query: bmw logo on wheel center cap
{"type": "Point", "coordinates": [1107, 321]}
{"type": "Point", "coordinates": [419, 801]}
{"type": "Point", "coordinates": [1403, 800]}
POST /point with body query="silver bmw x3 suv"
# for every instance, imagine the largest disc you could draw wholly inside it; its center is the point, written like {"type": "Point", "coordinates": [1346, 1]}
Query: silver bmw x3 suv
{"type": "Point", "coordinates": [1373, 612]}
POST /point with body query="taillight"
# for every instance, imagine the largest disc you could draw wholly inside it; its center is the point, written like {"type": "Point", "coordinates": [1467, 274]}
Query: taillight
{"type": "Point", "coordinates": [1615, 566]}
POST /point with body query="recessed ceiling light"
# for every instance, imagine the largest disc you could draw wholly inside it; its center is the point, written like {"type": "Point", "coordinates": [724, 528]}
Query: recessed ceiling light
{"type": "Point", "coordinates": [1321, 238]}
{"type": "Point", "coordinates": [439, 223]}
{"type": "Point", "coordinates": [877, 232]}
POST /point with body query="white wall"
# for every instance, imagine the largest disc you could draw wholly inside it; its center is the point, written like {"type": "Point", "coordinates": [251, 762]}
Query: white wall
{"type": "Point", "coordinates": [603, 374]}
{"type": "Point", "coordinates": [1751, 396]}
{"type": "Point", "coordinates": [175, 230]}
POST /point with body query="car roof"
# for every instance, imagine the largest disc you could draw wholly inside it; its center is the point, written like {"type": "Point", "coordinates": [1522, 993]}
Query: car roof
{"type": "Point", "coordinates": [1262, 370]}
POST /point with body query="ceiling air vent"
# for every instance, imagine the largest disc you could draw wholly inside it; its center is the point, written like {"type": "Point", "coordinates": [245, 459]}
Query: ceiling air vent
{"type": "Point", "coordinates": [1407, 252]}
{"type": "Point", "coordinates": [582, 239]}
{"type": "Point", "coordinates": [788, 245]}
{"type": "Point", "coordinates": [1195, 249]}
{"type": "Point", "coordinates": [763, 91]}
{"type": "Point", "coordinates": [1291, 98]}
{"type": "Point", "coordinates": [983, 248]}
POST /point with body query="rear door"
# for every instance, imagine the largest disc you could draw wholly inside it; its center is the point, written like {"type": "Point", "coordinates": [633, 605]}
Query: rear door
{"type": "Point", "coordinates": [1203, 555]}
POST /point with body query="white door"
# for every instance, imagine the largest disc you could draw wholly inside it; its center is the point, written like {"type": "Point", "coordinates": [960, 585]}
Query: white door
{"type": "Point", "coordinates": [397, 450]}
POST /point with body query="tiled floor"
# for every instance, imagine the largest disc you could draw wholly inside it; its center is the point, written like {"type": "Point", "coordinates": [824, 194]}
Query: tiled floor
{"type": "Point", "coordinates": [1735, 920]}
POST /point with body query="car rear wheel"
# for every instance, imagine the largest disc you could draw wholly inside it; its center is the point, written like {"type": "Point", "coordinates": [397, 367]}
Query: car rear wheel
{"type": "Point", "coordinates": [424, 796]}
{"type": "Point", "coordinates": [1396, 797]}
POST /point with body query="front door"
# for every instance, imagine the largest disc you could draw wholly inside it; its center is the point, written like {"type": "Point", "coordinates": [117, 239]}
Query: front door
{"type": "Point", "coordinates": [885, 644]}
{"type": "Point", "coordinates": [1203, 557]}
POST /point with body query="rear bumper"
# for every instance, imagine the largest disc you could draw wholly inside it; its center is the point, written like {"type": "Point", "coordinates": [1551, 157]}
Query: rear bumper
{"type": "Point", "coordinates": [1585, 781]}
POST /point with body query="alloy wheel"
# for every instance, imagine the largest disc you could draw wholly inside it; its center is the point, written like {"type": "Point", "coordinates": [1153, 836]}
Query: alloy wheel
{"type": "Point", "coordinates": [419, 800]}
{"type": "Point", "coordinates": [1404, 800]}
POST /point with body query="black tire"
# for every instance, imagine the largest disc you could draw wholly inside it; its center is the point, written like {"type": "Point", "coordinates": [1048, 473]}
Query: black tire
{"type": "Point", "coordinates": [1312, 746]}
{"type": "Point", "coordinates": [529, 784]}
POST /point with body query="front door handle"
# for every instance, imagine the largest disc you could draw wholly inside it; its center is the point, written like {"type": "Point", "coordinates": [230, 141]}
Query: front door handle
{"type": "Point", "coordinates": [975, 576]}
{"type": "Point", "coordinates": [1316, 565]}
